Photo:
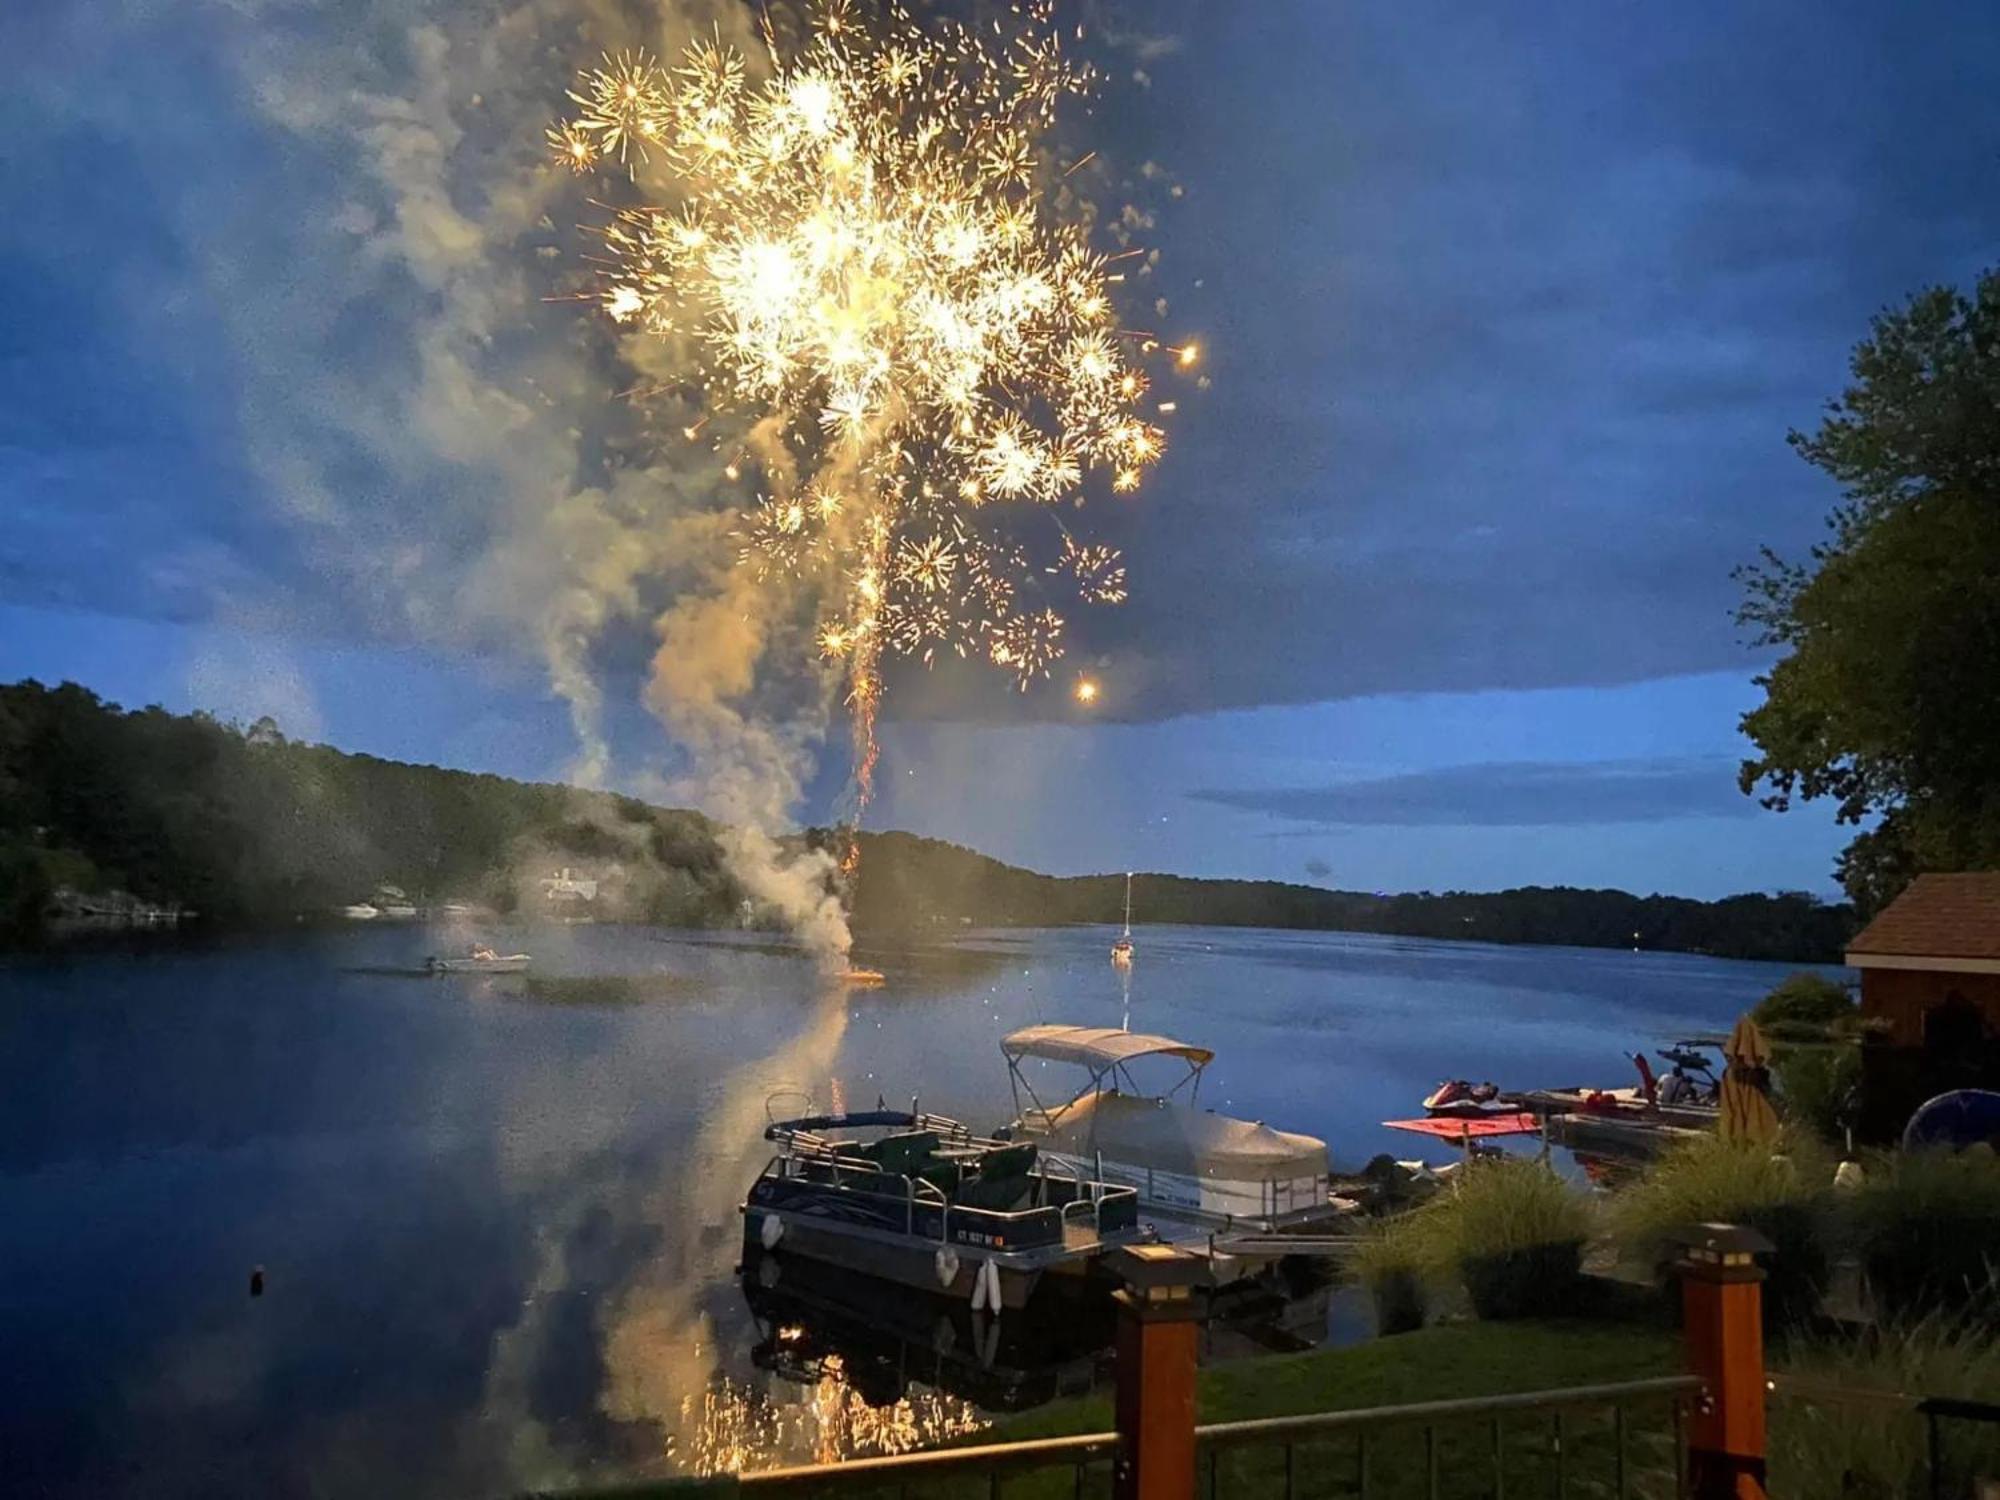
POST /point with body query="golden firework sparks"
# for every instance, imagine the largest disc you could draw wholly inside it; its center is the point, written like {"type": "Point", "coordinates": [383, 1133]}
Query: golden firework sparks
{"type": "Point", "coordinates": [862, 257]}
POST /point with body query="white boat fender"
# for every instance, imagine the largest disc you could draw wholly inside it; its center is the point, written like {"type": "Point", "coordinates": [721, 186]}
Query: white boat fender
{"type": "Point", "coordinates": [771, 1231]}
{"type": "Point", "coordinates": [947, 1267]}
{"type": "Point", "coordinates": [986, 1287]}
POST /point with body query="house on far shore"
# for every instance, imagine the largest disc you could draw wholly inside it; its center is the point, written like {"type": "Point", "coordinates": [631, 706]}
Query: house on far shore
{"type": "Point", "coordinates": [1930, 996]}
{"type": "Point", "coordinates": [566, 890]}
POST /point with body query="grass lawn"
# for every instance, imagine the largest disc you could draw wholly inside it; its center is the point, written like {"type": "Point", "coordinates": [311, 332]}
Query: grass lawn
{"type": "Point", "coordinates": [1437, 1364]}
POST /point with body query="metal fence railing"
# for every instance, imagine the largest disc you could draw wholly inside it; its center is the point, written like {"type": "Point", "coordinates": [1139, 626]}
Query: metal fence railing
{"type": "Point", "coordinates": [954, 1472]}
{"type": "Point", "coordinates": [1938, 1429]}
{"type": "Point", "coordinates": [1625, 1439]}
{"type": "Point", "coordinates": [1619, 1440]}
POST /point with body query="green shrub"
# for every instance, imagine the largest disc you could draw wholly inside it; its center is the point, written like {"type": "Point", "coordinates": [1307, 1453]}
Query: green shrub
{"type": "Point", "coordinates": [1819, 1087]}
{"type": "Point", "coordinates": [1782, 1196]}
{"type": "Point", "coordinates": [1871, 1450]}
{"type": "Point", "coordinates": [1806, 1003]}
{"type": "Point", "coordinates": [1512, 1231]}
{"type": "Point", "coordinates": [1926, 1227]}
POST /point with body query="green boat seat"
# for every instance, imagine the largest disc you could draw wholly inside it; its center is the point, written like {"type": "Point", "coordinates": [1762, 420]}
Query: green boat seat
{"type": "Point", "coordinates": [905, 1154]}
{"type": "Point", "coordinates": [943, 1174]}
{"type": "Point", "coordinates": [1004, 1182]}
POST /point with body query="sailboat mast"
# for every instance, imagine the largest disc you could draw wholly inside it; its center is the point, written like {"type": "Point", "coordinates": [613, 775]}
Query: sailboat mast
{"type": "Point", "coordinates": [1128, 903]}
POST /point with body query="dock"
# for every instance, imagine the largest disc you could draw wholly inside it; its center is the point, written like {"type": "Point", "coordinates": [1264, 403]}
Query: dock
{"type": "Point", "coordinates": [1634, 1137]}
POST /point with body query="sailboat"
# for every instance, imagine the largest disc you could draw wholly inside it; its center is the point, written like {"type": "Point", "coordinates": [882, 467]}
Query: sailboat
{"type": "Point", "coordinates": [1121, 951]}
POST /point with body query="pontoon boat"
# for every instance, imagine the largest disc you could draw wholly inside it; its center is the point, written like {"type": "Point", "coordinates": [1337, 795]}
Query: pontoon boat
{"type": "Point", "coordinates": [929, 1204]}
{"type": "Point", "coordinates": [1189, 1165]}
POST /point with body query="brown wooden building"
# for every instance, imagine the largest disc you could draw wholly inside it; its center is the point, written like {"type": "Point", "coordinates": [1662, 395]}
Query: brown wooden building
{"type": "Point", "coordinates": [1930, 996]}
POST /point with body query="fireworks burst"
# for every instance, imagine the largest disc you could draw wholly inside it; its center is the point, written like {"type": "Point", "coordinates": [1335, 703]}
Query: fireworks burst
{"type": "Point", "coordinates": [858, 255]}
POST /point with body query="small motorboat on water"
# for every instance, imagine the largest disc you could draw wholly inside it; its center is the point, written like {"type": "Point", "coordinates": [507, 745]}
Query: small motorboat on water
{"type": "Point", "coordinates": [917, 1198]}
{"type": "Point", "coordinates": [481, 960]}
{"type": "Point", "coordinates": [361, 911]}
{"type": "Point", "coordinates": [1189, 1165]}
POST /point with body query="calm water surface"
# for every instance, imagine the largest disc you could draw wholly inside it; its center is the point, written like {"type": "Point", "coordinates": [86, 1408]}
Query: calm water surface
{"type": "Point", "coordinates": [498, 1219]}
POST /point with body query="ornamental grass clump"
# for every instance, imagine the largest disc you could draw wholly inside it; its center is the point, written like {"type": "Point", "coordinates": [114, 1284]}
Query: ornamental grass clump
{"type": "Point", "coordinates": [1391, 1261]}
{"type": "Point", "coordinates": [1925, 1226]}
{"type": "Point", "coordinates": [1874, 1449]}
{"type": "Point", "coordinates": [1781, 1194]}
{"type": "Point", "coordinates": [1513, 1232]}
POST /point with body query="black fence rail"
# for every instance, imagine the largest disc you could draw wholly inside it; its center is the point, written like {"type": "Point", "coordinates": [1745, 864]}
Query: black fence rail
{"type": "Point", "coordinates": [1619, 1440]}
{"type": "Point", "coordinates": [1625, 1439]}
{"type": "Point", "coordinates": [1949, 1445]}
{"type": "Point", "coordinates": [953, 1472]}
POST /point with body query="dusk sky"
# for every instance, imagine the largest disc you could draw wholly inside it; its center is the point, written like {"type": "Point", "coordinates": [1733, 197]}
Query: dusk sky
{"type": "Point", "coordinates": [1507, 309]}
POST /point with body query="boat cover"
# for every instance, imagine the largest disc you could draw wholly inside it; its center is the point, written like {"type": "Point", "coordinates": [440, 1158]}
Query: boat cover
{"type": "Point", "coordinates": [1458, 1127]}
{"type": "Point", "coordinates": [1167, 1137]}
{"type": "Point", "coordinates": [1097, 1046]}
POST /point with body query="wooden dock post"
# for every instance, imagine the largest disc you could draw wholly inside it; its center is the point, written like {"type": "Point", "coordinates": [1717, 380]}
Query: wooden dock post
{"type": "Point", "coordinates": [1158, 1330]}
{"type": "Point", "coordinates": [1722, 1304]}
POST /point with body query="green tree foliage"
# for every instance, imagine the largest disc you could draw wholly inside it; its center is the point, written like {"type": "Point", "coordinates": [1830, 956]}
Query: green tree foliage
{"type": "Point", "coordinates": [1887, 697]}
{"type": "Point", "coordinates": [908, 881]}
{"type": "Point", "coordinates": [1806, 1002]}
{"type": "Point", "coordinates": [1814, 1024]}
{"type": "Point", "coordinates": [245, 826]}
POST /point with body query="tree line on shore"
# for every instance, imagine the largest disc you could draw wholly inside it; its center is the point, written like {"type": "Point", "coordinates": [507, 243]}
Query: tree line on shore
{"type": "Point", "coordinates": [248, 828]}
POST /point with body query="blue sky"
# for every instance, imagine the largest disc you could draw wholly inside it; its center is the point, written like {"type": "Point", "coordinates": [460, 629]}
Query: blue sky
{"type": "Point", "coordinates": [1507, 308]}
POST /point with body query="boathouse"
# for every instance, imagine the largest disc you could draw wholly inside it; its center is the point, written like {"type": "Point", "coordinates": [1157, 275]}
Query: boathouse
{"type": "Point", "coordinates": [1930, 996]}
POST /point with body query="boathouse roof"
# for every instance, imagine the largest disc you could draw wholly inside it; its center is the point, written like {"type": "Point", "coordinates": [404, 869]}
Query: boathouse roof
{"type": "Point", "coordinates": [1940, 922]}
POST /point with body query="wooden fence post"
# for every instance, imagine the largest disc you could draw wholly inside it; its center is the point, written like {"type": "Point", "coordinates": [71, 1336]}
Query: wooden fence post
{"type": "Point", "coordinates": [1722, 1305]}
{"type": "Point", "coordinates": [1158, 1327]}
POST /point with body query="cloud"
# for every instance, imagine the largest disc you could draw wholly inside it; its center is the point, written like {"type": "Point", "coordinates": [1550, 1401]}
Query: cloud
{"type": "Point", "coordinates": [1507, 323]}
{"type": "Point", "coordinates": [1514, 794]}
{"type": "Point", "coordinates": [1504, 338]}
{"type": "Point", "coordinates": [1318, 869]}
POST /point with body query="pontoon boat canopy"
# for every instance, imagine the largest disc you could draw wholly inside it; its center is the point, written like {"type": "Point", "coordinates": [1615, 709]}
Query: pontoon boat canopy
{"type": "Point", "coordinates": [1097, 1046]}
{"type": "Point", "coordinates": [1149, 1133]}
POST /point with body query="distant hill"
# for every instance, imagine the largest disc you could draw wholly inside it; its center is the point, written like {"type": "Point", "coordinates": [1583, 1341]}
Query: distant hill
{"type": "Point", "coordinates": [907, 879]}
{"type": "Point", "coordinates": [250, 828]}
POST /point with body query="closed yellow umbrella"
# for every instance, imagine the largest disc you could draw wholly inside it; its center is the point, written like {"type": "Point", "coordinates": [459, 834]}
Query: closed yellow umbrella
{"type": "Point", "coordinates": [1747, 1115]}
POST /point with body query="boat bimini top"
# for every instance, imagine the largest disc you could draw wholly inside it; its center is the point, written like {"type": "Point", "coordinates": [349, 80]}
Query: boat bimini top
{"type": "Point", "coordinates": [1181, 1158]}
{"type": "Point", "coordinates": [1105, 1052]}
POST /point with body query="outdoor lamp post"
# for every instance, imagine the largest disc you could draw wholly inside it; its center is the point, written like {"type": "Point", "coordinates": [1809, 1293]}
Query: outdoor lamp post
{"type": "Point", "coordinates": [1159, 1317]}
{"type": "Point", "coordinates": [1722, 1306]}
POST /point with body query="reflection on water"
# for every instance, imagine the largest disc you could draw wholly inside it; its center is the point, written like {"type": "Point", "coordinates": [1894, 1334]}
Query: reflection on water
{"type": "Point", "coordinates": [741, 1427]}
{"type": "Point", "coordinates": [498, 1215]}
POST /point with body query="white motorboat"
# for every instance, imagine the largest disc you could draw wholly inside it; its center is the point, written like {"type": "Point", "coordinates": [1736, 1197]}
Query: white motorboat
{"type": "Point", "coordinates": [481, 961]}
{"type": "Point", "coordinates": [1190, 1165]}
{"type": "Point", "coordinates": [361, 911]}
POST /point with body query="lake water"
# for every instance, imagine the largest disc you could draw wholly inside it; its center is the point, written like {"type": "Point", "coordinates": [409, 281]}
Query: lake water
{"type": "Point", "coordinates": [498, 1219]}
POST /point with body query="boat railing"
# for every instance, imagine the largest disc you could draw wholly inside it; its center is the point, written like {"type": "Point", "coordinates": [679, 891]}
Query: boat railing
{"type": "Point", "coordinates": [1065, 1223]}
